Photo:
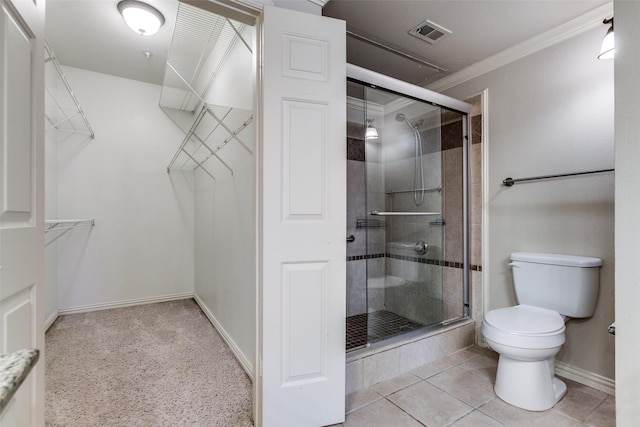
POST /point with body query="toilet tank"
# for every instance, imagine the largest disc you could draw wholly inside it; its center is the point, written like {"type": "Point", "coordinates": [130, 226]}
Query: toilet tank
{"type": "Point", "coordinates": [567, 284]}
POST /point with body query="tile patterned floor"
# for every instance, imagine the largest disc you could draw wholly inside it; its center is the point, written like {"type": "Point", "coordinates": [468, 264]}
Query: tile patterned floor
{"type": "Point", "coordinates": [457, 391]}
{"type": "Point", "coordinates": [375, 326]}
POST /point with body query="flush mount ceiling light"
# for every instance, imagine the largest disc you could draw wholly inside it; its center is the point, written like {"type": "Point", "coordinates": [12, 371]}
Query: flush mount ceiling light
{"type": "Point", "coordinates": [141, 17]}
{"type": "Point", "coordinates": [607, 50]}
{"type": "Point", "coordinates": [371, 132]}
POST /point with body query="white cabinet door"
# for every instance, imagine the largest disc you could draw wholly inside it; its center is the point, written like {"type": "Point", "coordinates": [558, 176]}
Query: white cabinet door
{"type": "Point", "coordinates": [302, 210]}
{"type": "Point", "coordinates": [21, 198]}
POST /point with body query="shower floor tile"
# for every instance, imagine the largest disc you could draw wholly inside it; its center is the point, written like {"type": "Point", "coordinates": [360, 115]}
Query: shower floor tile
{"type": "Point", "coordinates": [371, 327]}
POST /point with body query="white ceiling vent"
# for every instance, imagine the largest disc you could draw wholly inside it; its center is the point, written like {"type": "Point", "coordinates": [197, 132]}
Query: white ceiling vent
{"type": "Point", "coordinates": [429, 31]}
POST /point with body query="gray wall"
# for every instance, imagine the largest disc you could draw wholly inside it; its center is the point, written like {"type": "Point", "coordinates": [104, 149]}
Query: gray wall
{"type": "Point", "coordinates": [552, 112]}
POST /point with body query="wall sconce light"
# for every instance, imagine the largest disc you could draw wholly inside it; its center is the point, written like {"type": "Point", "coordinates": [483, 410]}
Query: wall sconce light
{"type": "Point", "coordinates": [142, 18]}
{"type": "Point", "coordinates": [607, 50]}
{"type": "Point", "coordinates": [371, 132]}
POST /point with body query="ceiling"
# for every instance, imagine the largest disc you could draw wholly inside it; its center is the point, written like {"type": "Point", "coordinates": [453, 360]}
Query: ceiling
{"type": "Point", "coordinates": [479, 30]}
{"type": "Point", "coordinates": [91, 34]}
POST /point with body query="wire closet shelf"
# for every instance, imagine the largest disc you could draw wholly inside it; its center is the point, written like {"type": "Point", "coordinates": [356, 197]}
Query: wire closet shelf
{"type": "Point", "coordinates": [63, 112]}
{"type": "Point", "coordinates": [202, 41]}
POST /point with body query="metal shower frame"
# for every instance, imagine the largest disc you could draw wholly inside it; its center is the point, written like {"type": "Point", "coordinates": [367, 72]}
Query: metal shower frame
{"type": "Point", "coordinates": [379, 81]}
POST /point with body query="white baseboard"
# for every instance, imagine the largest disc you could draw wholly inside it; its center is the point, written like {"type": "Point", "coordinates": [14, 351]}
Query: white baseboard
{"type": "Point", "coordinates": [125, 303]}
{"type": "Point", "coordinates": [585, 377]}
{"type": "Point", "coordinates": [50, 320]}
{"type": "Point", "coordinates": [242, 359]}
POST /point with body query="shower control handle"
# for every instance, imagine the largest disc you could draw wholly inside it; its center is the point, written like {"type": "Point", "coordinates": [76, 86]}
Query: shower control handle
{"type": "Point", "coordinates": [421, 247]}
{"type": "Point", "coordinates": [351, 238]}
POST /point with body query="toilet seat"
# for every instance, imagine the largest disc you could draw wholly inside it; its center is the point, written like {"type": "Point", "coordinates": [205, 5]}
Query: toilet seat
{"type": "Point", "coordinates": [524, 326]}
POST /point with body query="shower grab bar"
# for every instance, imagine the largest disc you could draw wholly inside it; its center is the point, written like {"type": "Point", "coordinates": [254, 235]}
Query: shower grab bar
{"type": "Point", "coordinates": [508, 182]}
{"type": "Point", "coordinates": [438, 189]}
{"type": "Point", "coordinates": [404, 213]}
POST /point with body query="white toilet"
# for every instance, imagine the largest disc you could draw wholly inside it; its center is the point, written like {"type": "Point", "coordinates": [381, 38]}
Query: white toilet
{"type": "Point", "coordinates": [529, 335]}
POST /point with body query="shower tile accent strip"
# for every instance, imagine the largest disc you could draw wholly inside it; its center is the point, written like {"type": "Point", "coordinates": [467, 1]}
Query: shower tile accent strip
{"type": "Point", "coordinates": [443, 263]}
{"type": "Point", "coordinates": [361, 257]}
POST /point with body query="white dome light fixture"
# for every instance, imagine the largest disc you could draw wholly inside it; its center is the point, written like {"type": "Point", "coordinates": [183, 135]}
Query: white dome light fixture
{"type": "Point", "coordinates": [142, 18]}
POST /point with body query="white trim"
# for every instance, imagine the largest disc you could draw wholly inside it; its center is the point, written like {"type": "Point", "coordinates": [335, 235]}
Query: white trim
{"type": "Point", "coordinates": [585, 377]}
{"type": "Point", "coordinates": [485, 204]}
{"type": "Point", "coordinates": [358, 105]}
{"type": "Point", "coordinates": [54, 316]}
{"type": "Point", "coordinates": [320, 3]}
{"type": "Point", "coordinates": [258, 5]}
{"type": "Point", "coordinates": [125, 303]}
{"type": "Point", "coordinates": [242, 359]}
{"type": "Point", "coordinates": [561, 33]}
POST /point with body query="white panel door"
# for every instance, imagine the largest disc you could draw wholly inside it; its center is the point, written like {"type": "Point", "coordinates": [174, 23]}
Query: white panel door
{"type": "Point", "coordinates": [302, 193]}
{"type": "Point", "coordinates": [22, 199]}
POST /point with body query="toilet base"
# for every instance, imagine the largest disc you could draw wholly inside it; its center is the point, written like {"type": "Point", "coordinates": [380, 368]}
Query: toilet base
{"type": "Point", "coordinates": [530, 385]}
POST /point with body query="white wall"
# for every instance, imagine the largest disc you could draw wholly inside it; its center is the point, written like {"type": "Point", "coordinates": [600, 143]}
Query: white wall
{"type": "Point", "coordinates": [627, 127]}
{"type": "Point", "coordinates": [141, 248]}
{"type": "Point", "coordinates": [51, 211]}
{"type": "Point", "coordinates": [225, 218]}
{"type": "Point", "coordinates": [552, 112]}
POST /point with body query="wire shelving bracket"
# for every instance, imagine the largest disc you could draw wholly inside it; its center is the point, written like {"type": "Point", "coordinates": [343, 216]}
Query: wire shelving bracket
{"type": "Point", "coordinates": [63, 226]}
{"type": "Point", "coordinates": [62, 109]}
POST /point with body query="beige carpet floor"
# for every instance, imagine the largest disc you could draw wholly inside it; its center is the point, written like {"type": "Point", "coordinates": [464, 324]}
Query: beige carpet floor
{"type": "Point", "coordinates": [152, 365]}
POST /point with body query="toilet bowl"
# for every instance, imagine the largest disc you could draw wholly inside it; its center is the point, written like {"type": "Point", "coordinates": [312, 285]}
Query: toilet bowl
{"type": "Point", "coordinates": [528, 336]}
{"type": "Point", "coordinates": [527, 339]}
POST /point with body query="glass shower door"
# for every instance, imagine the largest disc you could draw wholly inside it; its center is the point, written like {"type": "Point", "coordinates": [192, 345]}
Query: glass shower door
{"type": "Point", "coordinates": [405, 199]}
{"type": "Point", "coordinates": [406, 216]}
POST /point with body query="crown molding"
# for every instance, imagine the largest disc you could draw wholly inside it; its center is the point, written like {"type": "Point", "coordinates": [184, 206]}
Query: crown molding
{"type": "Point", "coordinates": [320, 3]}
{"type": "Point", "coordinates": [561, 33]}
{"type": "Point", "coordinates": [358, 105]}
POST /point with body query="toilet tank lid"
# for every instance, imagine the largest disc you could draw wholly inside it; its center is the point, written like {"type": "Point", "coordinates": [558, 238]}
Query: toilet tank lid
{"type": "Point", "coordinates": [556, 259]}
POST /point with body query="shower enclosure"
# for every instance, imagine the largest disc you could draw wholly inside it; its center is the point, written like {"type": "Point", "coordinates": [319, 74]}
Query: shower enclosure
{"type": "Point", "coordinates": [407, 221]}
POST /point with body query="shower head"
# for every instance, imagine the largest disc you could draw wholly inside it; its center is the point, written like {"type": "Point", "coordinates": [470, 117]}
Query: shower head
{"type": "Point", "coordinates": [400, 117]}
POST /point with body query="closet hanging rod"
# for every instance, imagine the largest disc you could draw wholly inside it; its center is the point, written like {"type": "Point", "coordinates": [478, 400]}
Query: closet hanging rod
{"type": "Point", "coordinates": [52, 58]}
{"type": "Point", "coordinates": [233, 134]}
{"type": "Point", "coordinates": [211, 151]}
{"type": "Point", "coordinates": [187, 138]}
{"type": "Point", "coordinates": [508, 182]}
{"type": "Point", "coordinates": [226, 141]}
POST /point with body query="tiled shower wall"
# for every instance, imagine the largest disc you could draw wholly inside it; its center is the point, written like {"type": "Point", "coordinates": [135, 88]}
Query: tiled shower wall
{"type": "Point", "coordinates": [475, 214]}
{"type": "Point", "coordinates": [449, 155]}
